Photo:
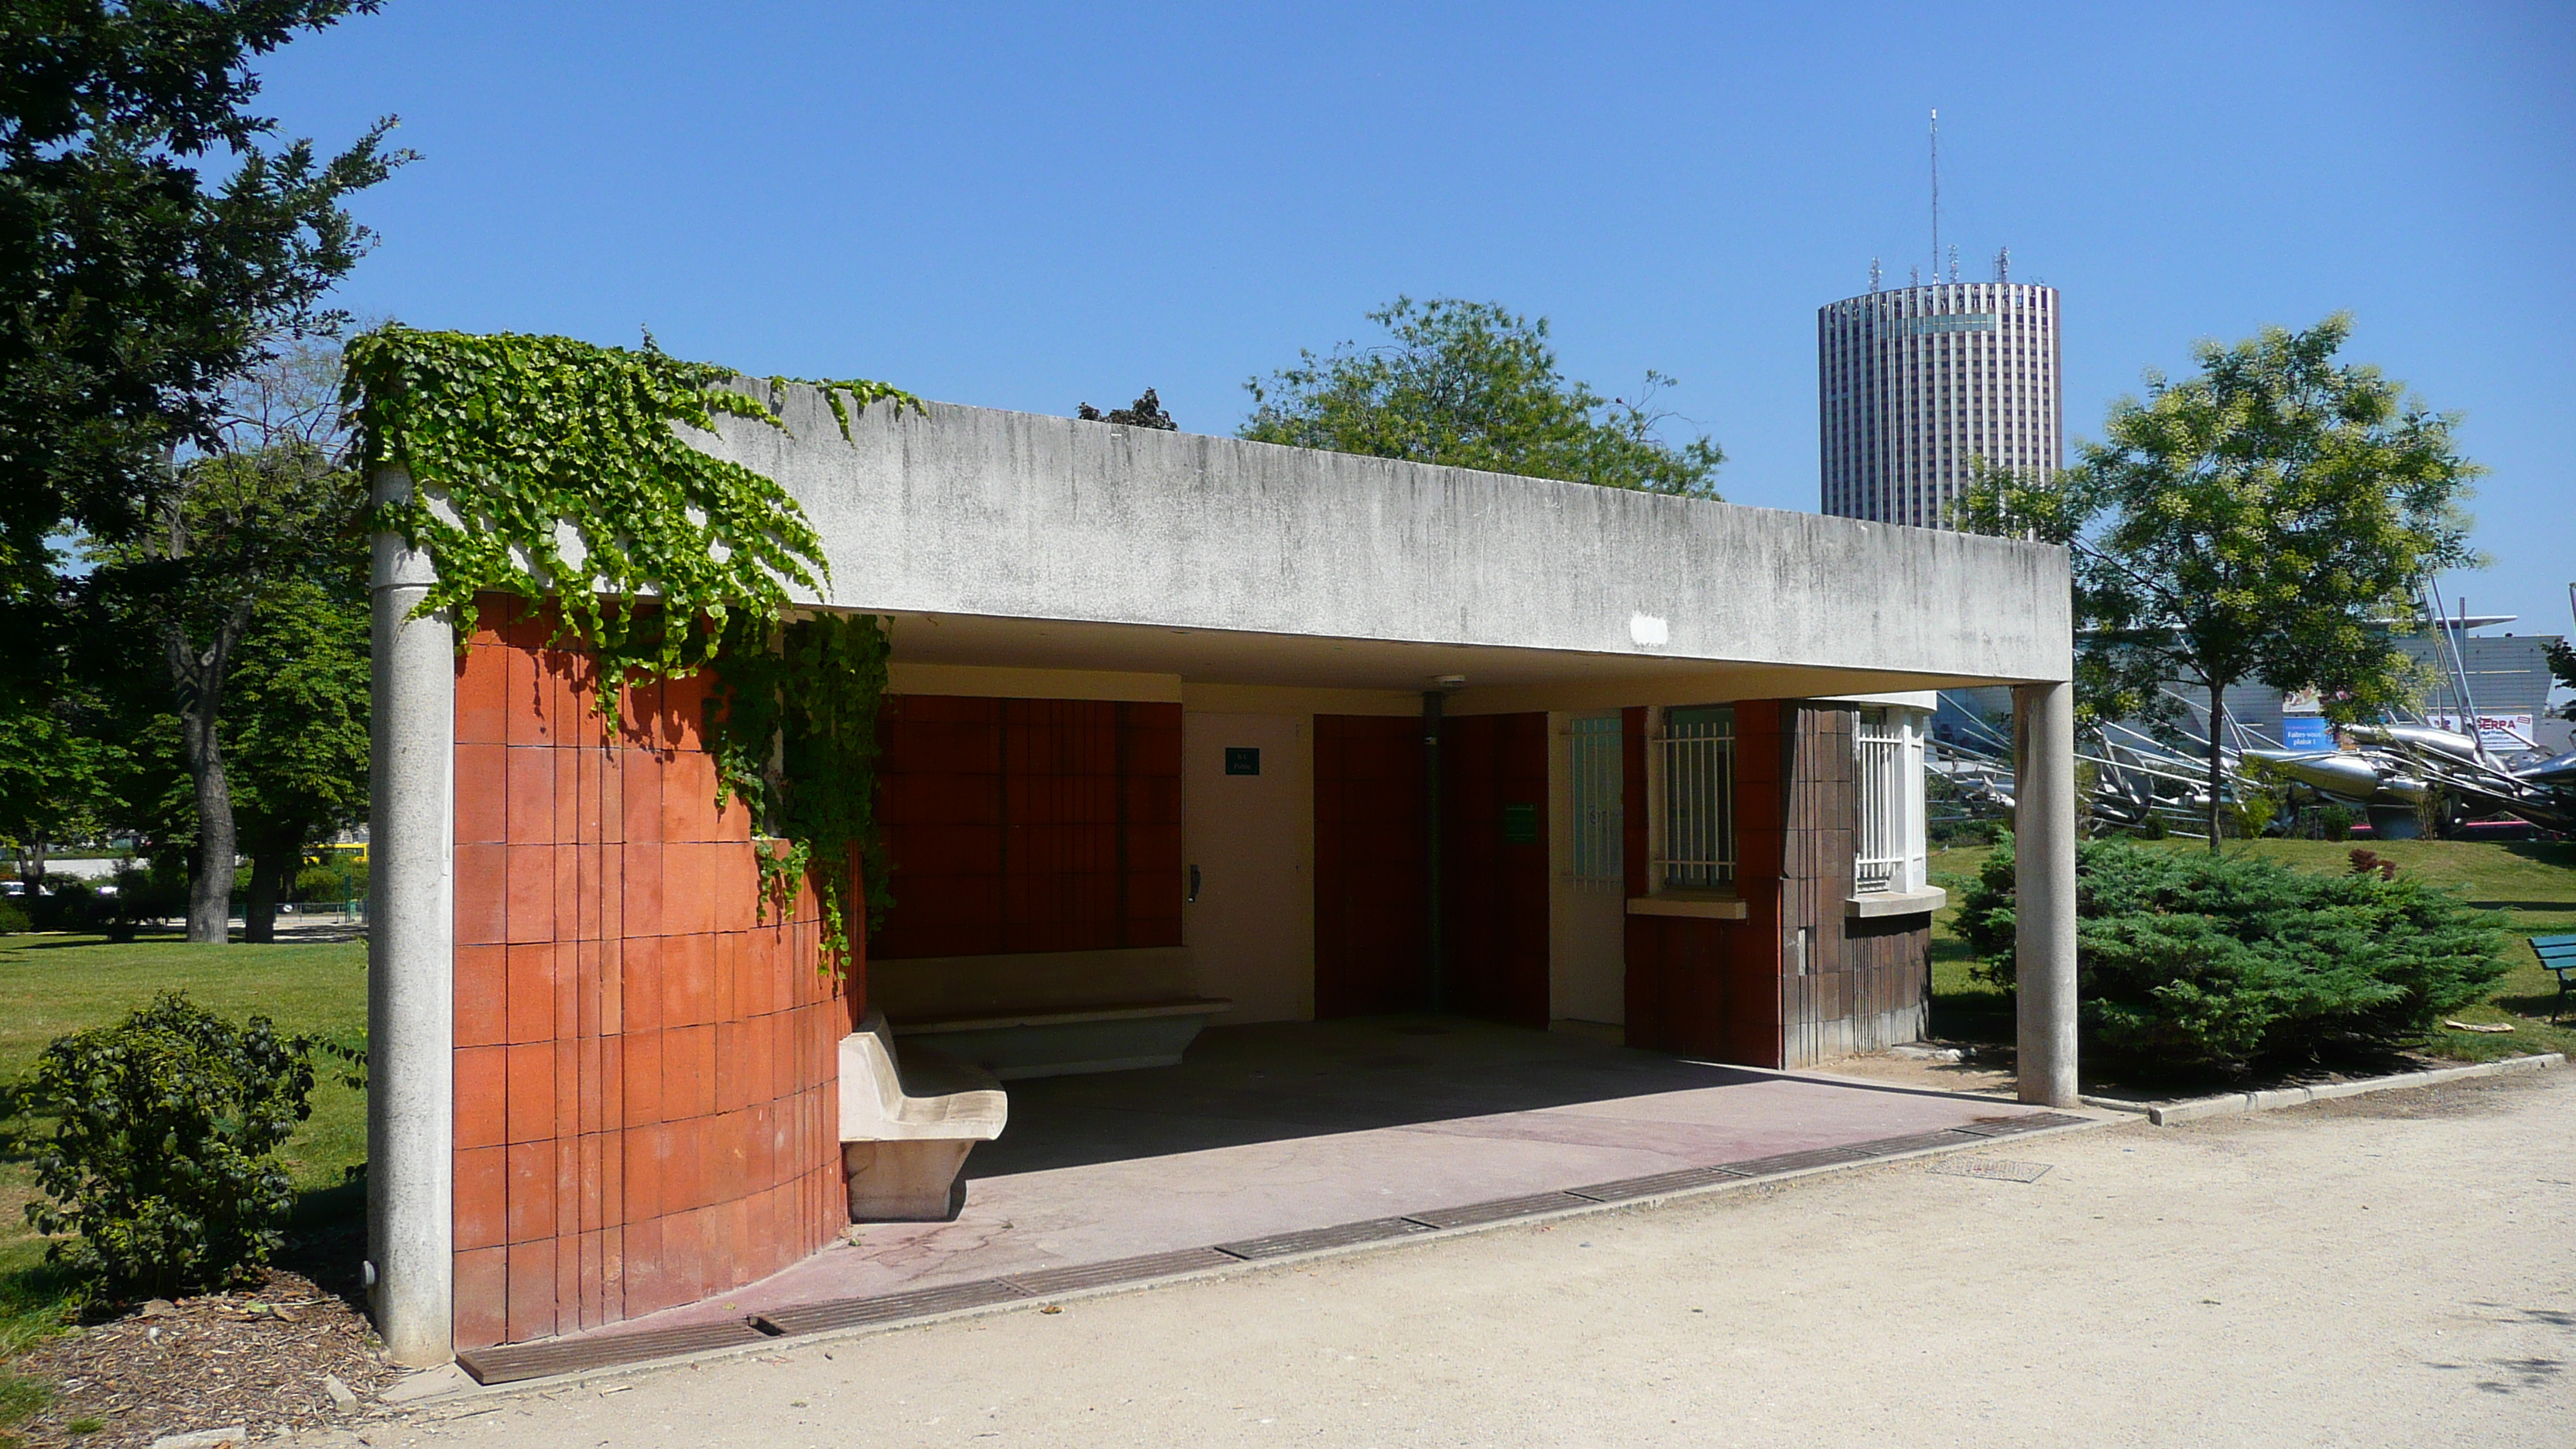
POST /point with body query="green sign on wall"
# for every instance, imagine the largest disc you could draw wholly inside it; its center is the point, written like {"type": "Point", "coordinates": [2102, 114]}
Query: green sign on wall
{"type": "Point", "coordinates": [1520, 825]}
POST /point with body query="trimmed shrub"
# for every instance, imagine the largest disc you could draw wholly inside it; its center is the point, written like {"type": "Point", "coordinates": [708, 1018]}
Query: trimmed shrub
{"type": "Point", "coordinates": [13, 920]}
{"type": "Point", "coordinates": [163, 1159]}
{"type": "Point", "coordinates": [2187, 961]}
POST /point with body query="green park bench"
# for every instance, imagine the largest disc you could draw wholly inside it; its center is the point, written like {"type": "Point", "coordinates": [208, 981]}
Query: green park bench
{"type": "Point", "coordinates": [2558, 956]}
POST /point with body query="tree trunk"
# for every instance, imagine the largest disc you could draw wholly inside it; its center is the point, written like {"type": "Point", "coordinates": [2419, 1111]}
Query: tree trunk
{"type": "Point", "coordinates": [198, 679]}
{"type": "Point", "coordinates": [272, 867]}
{"type": "Point", "coordinates": [210, 885]}
{"type": "Point", "coordinates": [2217, 758]}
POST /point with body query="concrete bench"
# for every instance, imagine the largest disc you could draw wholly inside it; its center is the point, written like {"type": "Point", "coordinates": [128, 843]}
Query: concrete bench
{"type": "Point", "coordinates": [907, 1123]}
{"type": "Point", "coordinates": [1058, 1042]}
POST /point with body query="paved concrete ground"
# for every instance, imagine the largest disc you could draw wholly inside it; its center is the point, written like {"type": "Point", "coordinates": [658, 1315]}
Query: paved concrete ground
{"type": "Point", "coordinates": [2396, 1269]}
{"type": "Point", "coordinates": [1282, 1128]}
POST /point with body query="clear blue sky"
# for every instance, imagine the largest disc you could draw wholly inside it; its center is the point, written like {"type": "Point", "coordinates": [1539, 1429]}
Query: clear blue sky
{"type": "Point", "coordinates": [1033, 207]}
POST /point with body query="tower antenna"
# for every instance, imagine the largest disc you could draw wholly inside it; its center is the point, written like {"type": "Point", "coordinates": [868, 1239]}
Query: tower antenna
{"type": "Point", "coordinates": [1936, 193]}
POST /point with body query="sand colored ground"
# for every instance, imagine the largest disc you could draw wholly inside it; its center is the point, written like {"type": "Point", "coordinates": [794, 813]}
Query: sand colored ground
{"type": "Point", "coordinates": [2394, 1269]}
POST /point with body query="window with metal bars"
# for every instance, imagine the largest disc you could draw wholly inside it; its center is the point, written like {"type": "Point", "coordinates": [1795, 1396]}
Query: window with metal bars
{"type": "Point", "coordinates": [1695, 839]}
{"type": "Point", "coordinates": [1887, 771]}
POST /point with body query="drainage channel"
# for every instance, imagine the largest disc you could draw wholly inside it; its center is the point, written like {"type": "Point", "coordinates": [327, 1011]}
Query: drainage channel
{"type": "Point", "coordinates": [514, 1363]}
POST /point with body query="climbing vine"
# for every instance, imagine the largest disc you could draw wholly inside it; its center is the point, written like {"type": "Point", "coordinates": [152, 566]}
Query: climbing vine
{"type": "Point", "coordinates": [814, 690]}
{"type": "Point", "coordinates": [552, 469]}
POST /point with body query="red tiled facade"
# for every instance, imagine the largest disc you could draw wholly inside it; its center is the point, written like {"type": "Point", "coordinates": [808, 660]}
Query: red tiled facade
{"type": "Point", "coordinates": [645, 1068]}
{"type": "Point", "coordinates": [1029, 825]}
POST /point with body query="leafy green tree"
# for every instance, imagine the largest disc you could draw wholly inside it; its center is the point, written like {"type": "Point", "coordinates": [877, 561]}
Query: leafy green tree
{"type": "Point", "coordinates": [258, 531]}
{"type": "Point", "coordinates": [1472, 385]}
{"type": "Point", "coordinates": [154, 238]}
{"type": "Point", "coordinates": [2562, 667]}
{"type": "Point", "coordinates": [2255, 521]}
{"type": "Point", "coordinates": [1146, 412]}
{"type": "Point", "coordinates": [158, 242]}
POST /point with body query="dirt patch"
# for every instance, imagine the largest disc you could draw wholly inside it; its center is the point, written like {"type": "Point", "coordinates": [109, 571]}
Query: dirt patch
{"type": "Point", "coordinates": [1983, 1070]}
{"type": "Point", "coordinates": [257, 1358]}
{"type": "Point", "coordinates": [2476, 1097]}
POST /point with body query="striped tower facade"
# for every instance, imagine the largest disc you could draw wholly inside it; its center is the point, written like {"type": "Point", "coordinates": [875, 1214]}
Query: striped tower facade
{"type": "Point", "coordinates": [1915, 384]}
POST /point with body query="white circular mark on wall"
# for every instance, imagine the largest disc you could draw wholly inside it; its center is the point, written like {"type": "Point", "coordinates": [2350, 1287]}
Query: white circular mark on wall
{"type": "Point", "coordinates": [1650, 630]}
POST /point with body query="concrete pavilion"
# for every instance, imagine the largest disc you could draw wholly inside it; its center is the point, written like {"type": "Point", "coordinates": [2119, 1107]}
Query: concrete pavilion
{"type": "Point", "coordinates": [1176, 724]}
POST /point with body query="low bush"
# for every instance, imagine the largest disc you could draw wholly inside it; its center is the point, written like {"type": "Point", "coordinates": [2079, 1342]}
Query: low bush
{"type": "Point", "coordinates": [2190, 962]}
{"type": "Point", "coordinates": [13, 919]}
{"type": "Point", "coordinates": [163, 1159]}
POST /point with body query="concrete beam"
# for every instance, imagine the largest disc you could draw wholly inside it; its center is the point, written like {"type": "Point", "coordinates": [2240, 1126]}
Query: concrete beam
{"type": "Point", "coordinates": [2044, 891]}
{"type": "Point", "coordinates": [971, 512]}
{"type": "Point", "coordinates": [411, 968]}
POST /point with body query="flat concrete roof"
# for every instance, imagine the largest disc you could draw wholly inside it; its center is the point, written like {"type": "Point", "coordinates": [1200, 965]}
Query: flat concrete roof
{"type": "Point", "coordinates": [1015, 539]}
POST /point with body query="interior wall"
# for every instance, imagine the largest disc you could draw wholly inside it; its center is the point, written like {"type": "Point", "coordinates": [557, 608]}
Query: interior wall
{"type": "Point", "coordinates": [1369, 866]}
{"type": "Point", "coordinates": [1250, 840]}
{"type": "Point", "coordinates": [1029, 825]}
{"type": "Point", "coordinates": [645, 1069]}
{"type": "Point", "coordinates": [1493, 872]}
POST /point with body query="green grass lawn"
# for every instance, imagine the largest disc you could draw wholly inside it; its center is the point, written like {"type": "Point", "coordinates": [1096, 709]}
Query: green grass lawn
{"type": "Point", "coordinates": [2532, 882]}
{"type": "Point", "coordinates": [58, 983]}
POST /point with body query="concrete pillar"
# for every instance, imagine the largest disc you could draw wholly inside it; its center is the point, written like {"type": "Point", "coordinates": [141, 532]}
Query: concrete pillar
{"type": "Point", "coordinates": [2044, 894]}
{"type": "Point", "coordinates": [411, 967]}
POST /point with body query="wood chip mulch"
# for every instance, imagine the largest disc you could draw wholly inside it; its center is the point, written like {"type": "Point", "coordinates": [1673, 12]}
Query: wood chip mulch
{"type": "Point", "coordinates": [254, 1357]}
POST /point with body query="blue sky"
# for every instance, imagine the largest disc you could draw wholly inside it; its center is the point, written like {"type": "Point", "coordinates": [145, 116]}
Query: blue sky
{"type": "Point", "coordinates": [1030, 208]}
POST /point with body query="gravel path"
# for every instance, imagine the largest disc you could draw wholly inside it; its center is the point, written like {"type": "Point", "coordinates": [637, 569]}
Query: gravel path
{"type": "Point", "coordinates": [2396, 1269]}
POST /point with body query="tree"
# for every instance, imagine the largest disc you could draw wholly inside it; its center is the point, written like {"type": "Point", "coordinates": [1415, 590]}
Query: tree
{"type": "Point", "coordinates": [1472, 385]}
{"type": "Point", "coordinates": [132, 285]}
{"type": "Point", "coordinates": [156, 241]}
{"type": "Point", "coordinates": [257, 530]}
{"type": "Point", "coordinates": [1146, 412]}
{"type": "Point", "coordinates": [2562, 667]}
{"type": "Point", "coordinates": [2256, 521]}
{"type": "Point", "coordinates": [298, 726]}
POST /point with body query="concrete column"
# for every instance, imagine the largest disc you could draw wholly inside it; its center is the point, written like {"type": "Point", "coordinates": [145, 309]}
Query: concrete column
{"type": "Point", "coordinates": [411, 967]}
{"type": "Point", "coordinates": [2044, 893]}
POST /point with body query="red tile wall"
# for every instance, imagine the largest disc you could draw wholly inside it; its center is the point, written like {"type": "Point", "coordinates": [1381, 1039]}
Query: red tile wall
{"type": "Point", "coordinates": [1029, 825]}
{"type": "Point", "coordinates": [1712, 988]}
{"type": "Point", "coordinates": [646, 1107]}
{"type": "Point", "coordinates": [1369, 917]}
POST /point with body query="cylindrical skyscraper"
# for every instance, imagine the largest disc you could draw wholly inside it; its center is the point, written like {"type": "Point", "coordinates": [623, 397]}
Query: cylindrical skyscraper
{"type": "Point", "coordinates": [1915, 384]}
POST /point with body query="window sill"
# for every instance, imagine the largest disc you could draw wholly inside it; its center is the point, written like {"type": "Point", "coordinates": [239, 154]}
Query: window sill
{"type": "Point", "coordinates": [1895, 903]}
{"type": "Point", "coordinates": [1705, 905]}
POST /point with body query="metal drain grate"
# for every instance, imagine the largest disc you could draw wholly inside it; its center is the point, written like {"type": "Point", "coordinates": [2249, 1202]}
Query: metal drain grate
{"type": "Point", "coordinates": [514, 1362]}
{"type": "Point", "coordinates": [2007, 1126]}
{"type": "Point", "coordinates": [1280, 1245]}
{"type": "Point", "coordinates": [1499, 1210]}
{"type": "Point", "coordinates": [1050, 1281]}
{"type": "Point", "coordinates": [1629, 1189]}
{"type": "Point", "coordinates": [1801, 1161]}
{"type": "Point", "coordinates": [885, 1308]}
{"type": "Point", "coordinates": [1920, 1141]}
{"type": "Point", "coordinates": [1993, 1169]}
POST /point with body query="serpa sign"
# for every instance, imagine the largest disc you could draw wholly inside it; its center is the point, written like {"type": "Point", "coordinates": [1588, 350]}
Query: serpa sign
{"type": "Point", "coordinates": [2501, 732]}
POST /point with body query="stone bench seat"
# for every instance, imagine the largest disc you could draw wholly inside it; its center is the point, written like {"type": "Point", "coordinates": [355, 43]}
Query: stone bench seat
{"type": "Point", "coordinates": [907, 1122]}
{"type": "Point", "coordinates": [1061, 1041]}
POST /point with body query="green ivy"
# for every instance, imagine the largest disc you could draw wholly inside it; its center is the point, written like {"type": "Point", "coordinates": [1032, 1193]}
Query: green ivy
{"type": "Point", "coordinates": [552, 469]}
{"type": "Point", "coordinates": [796, 740]}
{"type": "Point", "coordinates": [547, 467]}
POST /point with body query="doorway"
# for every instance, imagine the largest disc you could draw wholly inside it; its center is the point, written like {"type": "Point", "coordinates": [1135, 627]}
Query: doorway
{"type": "Point", "coordinates": [1247, 828]}
{"type": "Point", "coordinates": [1588, 919]}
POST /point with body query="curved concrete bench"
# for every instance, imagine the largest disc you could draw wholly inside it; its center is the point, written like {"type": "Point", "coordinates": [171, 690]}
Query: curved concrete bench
{"type": "Point", "coordinates": [907, 1123]}
{"type": "Point", "coordinates": [1062, 1041]}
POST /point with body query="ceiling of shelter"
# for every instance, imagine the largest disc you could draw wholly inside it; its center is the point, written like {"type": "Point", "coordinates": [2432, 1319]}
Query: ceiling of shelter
{"type": "Point", "coordinates": [1205, 656]}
